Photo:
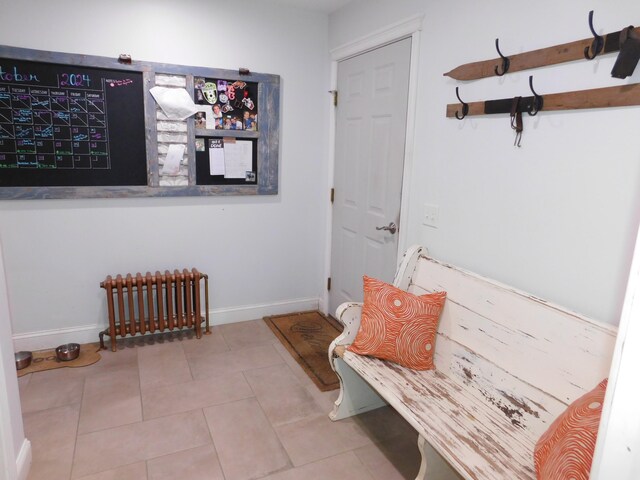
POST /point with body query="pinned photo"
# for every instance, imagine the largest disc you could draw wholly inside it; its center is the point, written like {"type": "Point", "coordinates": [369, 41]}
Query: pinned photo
{"type": "Point", "coordinates": [250, 177]}
{"type": "Point", "coordinates": [200, 120]}
{"type": "Point", "coordinates": [200, 145]}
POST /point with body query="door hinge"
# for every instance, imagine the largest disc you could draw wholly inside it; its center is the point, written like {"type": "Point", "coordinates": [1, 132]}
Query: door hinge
{"type": "Point", "coordinates": [329, 283]}
{"type": "Point", "coordinates": [335, 97]}
{"type": "Point", "coordinates": [333, 194]}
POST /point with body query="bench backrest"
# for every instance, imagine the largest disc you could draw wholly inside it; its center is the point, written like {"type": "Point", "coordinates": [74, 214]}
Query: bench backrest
{"type": "Point", "coordinates": [527, 358]}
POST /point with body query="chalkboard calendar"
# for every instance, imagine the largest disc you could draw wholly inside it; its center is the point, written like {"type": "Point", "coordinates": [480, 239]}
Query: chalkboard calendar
{"type": "Point", "coordinates": [82, 126]}
{"type": "Point", "coordinates": [65, 125]}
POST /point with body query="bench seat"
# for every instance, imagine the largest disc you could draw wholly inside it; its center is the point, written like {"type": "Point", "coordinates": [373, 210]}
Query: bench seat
{"type": "Point", "coordinates": [450, 417]}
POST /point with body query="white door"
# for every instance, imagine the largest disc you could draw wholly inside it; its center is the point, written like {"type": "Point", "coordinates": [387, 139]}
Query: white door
{"type": "Point", "coordinates": [370, 139]}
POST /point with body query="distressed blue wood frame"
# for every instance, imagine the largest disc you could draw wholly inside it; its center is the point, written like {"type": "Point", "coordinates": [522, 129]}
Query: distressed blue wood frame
{"type": "Point", "coordinates": [268, 136]}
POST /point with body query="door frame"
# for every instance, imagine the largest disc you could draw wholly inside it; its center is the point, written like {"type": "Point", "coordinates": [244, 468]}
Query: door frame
{"type": "Point", "coordinates": [408, 28]}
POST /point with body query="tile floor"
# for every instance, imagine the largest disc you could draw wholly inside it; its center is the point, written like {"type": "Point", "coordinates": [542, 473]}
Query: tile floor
{"type": "Point", "coordinates": [233, 405]}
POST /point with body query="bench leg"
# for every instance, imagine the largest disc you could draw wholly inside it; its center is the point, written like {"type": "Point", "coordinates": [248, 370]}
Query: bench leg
{"type": "Point", "coordinates": [422, 446]}
{"type": "Point", "coordinates": [356, 396]}
{"type": "Point", "coordinates": [433, 466]}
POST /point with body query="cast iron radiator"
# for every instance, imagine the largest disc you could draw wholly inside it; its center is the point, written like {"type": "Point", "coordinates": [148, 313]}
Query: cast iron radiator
{"type": "Point", "coordinates": [154, 303]}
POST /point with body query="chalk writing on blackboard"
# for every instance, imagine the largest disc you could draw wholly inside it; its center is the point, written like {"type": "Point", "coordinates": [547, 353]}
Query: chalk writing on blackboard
{"type": "Point", "coordinates": [54, 124]}
{"type": "Point", "coordinates": [58, 118]}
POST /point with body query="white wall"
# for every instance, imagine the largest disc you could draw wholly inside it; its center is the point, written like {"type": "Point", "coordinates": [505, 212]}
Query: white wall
{"type": "Point", "coordinates": [257, 251]}
{"type": "Point", "coordinates": [15, 450]}
{"type": "Point", "coordinates": [556, 217]}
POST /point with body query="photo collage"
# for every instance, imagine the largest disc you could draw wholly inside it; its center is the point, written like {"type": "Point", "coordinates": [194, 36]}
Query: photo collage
{"type": "Point", "coordinates": [226, 104]}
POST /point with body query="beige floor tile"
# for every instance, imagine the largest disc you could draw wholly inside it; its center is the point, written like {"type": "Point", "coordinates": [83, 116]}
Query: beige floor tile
{"type": "Point", "coordinates": [208, 344]}
{"type": "Point", "coordinates": [296, 369]}
{"type": "Point", "coordinates": [162, 364]}
{"type": "Point", "coordinates": [47, 428]}
{"type": "Point", "coordinates": [247, 334]}
{"type": "Point", "coordinates": [345, 466]}
{"type": "Point", "coordinates": [218, 364]}
{"type": "Point", "coordinates": [394, 459]}
{"type": "Point", "coordinates": [110, 399]}
{"type": "Point", "coordinates": [247, 446]}
{"type": "Point", "coordinates": [52, 434]}
{"type": "Point", "coordinates": [51, 389]}
{"type": "Point", "coordinates": [280, 394]}
{"type": "Point", "coordinates": [54, 462]}
{"type": "Point", "coordinates": [135, 471]}
{"type": "Point", "coordinates": [140, 441]}
{"type": "Point", "coordinates": [124, 359]}
{"type": "Point", "coordinates": [325, 400]}
{"type": "Point", "coordinates": [196, 464]}
{"type": "Point", "coordinates": [169, 399]}
{"type": "Point", "coordinates": [315, 438]}
{"type": "Point", "coordinates": [23, 381]}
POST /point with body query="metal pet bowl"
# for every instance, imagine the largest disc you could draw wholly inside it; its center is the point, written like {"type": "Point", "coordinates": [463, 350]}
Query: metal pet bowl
{"type": "Point", "coordinates": [23, 359]}
{"type": "Point", "coordinates": [68, 351]}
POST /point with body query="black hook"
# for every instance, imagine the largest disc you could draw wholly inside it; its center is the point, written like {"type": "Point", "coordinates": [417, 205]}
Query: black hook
{"type": "Point", "coordinates": [506, 63]}
{"type": "Point", "coordinates": [465, 107]}
{"type": "Point", "coordinates": [538, 101]}
{"type": "Point", "coordinates": [598, 43]}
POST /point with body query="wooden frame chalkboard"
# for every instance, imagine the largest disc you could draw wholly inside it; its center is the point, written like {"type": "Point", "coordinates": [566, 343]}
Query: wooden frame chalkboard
{"type": "Point", "coordinates": [133, 141]}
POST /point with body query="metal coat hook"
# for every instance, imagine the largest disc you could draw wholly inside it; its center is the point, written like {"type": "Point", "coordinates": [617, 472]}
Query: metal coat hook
{"type": "Point", "coordinates": [598, 42]}
{"type": "Point", "coordinates": [516, 120]}
{"type": "Point", "coordinates": [465, 107]}
{"type": "Point", "coordinates": [538, 101]}
{"type": "Point", "coordinates": [506, 63]}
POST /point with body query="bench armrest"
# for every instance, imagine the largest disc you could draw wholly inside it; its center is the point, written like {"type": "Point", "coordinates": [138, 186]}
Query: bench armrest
{"type": "Point", "coordinates": [348, 314]}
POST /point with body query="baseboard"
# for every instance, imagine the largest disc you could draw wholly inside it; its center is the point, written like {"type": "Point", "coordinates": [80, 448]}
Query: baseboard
{"type": "Point", "coordinates": [217, 316]}
{"type": "Point", "coordinates": [220, 316]}
{"type": "Point", "coordinates": [23, 460]}
{"type": "Point", "coordinates": [44, 339]}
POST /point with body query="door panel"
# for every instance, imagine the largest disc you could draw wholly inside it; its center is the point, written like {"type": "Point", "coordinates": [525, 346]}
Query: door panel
{"type": "Point", "coordinates": [370, 139]}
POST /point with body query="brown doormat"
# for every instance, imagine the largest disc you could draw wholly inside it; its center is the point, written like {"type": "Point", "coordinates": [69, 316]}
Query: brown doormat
{"type": "Point", "coordinates": [46, 359]}
{"type": "Point", "coordinates": [307, 335]}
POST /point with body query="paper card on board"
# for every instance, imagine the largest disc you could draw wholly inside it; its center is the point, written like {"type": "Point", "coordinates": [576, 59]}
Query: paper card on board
{"type": "Point", "coordinates": [171, 165]}
{"type": "Point", "coordinates": [216, 157]}
{"type": "Point", "coordinates": [238, 158]}
{"type": "Point", "coordinates": [176, 103]}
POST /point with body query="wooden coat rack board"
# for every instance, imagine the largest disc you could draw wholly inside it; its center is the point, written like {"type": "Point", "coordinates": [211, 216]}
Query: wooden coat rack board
{"type": "Point", "coordinates": [626, 42]}
{"type": "Point", "coordinates": [588, 48]}
{"type": "Point", "coordinates": [618, 96]}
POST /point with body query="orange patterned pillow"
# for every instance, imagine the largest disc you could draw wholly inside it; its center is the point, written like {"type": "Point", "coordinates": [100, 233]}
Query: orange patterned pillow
{"type": "Point", "coordinates": [565, 450]}
{"type": "Point", "coordinates": [397, 325]}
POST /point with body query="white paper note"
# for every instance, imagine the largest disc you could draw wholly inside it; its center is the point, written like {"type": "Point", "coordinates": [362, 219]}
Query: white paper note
{"type": "Point", "coordinates": [171, 165]}
{"type": "Point", "coordinates": [216, 157]}
{"type": "Point", "coordinates": [176, 103]}
{"type": "Point", "coordinates": [238, 158]}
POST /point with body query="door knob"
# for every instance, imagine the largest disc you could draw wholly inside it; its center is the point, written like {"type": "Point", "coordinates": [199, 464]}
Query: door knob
{"type": "Point", "coordinates": [391, 228]}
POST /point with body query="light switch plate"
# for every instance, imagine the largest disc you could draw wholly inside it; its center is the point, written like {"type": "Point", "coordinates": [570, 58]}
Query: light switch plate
{"type": "Point", "coordinates": [431, 215]}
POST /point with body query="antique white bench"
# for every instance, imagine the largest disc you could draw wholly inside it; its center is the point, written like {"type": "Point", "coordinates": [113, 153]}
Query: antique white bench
{"type": "Point", "coordinates": [506, 365]}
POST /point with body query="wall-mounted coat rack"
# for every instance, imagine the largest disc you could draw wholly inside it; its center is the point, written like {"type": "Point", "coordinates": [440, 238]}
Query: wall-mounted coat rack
{"type": "Point", "coordinates": [618, 96]}
{"type": "Point", "coordinates": [626, 41]}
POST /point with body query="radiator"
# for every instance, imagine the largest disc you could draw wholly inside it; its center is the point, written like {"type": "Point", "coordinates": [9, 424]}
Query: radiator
{"type": "Point", "coordinates": [154, 303]}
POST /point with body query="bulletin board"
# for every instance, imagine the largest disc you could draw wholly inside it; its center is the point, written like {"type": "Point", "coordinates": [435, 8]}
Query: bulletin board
{"type": "Point", "coordinates": [78, 126]}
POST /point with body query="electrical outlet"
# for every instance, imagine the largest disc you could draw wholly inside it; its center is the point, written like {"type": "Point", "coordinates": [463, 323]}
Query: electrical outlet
{"type": "Point", "coordinates": [430, 215]}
